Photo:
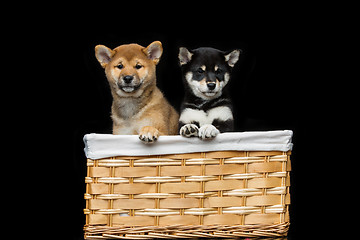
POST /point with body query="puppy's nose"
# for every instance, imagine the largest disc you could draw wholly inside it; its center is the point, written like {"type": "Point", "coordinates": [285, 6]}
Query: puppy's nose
{"type": "Point", "coordinates": [211, 85]}
{"type": "Point", "coordinates": [128, 78]}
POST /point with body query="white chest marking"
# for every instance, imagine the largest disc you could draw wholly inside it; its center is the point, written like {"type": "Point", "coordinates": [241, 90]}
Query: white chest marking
{"type": "Point", "coordinates": [128, 108]}
{"type": "Point", "coordinates": [222, 113]}
{"type": "Point", "coordinates": [130, 119]}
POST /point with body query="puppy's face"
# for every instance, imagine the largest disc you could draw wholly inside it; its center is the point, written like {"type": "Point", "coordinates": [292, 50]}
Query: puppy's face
{"type": "Point", "coordinates": [207, 70]}
{"type": "Point", "coordinates": [130, 69]}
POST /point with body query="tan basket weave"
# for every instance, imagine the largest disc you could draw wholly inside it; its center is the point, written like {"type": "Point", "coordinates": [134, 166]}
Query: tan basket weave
{"type": "Point", "coordinates": [213, 194]}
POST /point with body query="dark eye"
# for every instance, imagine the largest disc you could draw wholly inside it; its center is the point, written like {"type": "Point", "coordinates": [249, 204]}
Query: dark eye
{"type": "Point", "coordinates": [200, 70]}
{"type": "Point", "coordinates": [218, 71]}
{"type": "Point", "coordinates": [120, 66]}
{"type": "Point", "coordinates": [138, 66]}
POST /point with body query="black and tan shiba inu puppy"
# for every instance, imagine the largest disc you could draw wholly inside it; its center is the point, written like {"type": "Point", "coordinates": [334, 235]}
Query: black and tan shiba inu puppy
{"type": "Point", "coordinates": [206, 109]}
{"type": "Point", "coordinates": [138, 105]}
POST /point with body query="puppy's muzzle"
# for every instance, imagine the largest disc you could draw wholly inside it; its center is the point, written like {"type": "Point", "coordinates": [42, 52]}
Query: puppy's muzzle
{"type": "Point", "coordinates": [128, 84]}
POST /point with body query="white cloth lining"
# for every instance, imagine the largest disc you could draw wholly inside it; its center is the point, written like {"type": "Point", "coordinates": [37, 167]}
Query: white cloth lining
{"type": "Point", "coordinates": [107, 145]}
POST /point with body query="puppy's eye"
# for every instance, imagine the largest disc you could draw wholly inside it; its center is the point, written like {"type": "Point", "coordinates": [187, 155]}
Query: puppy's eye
{"type": "Point", "coordinates": [138, 66]}
{"type": "Point", "coordinates": [200, 70]}
{"type": "Point", "coordinates": [120, 66]}
{"type": "Point", "coordinates": [218, 71]}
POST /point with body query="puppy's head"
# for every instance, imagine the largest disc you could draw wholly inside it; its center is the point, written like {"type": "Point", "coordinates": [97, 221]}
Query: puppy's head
{"type": "Point", "coordinates": [130, 68]}
{"type": "Point", "coordinates": [207, 70]}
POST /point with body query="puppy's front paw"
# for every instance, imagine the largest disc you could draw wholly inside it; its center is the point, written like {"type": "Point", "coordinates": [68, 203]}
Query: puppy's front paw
{"type": "Point", "coordinates": [208, 131]}
{"type": "Point", "coordinates": [149, 134]}
{"type": "Point", "coordinates": [189, 130]}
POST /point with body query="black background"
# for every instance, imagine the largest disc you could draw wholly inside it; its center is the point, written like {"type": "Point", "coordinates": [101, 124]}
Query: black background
{"type": "Point", "coordinates": [272, 85]}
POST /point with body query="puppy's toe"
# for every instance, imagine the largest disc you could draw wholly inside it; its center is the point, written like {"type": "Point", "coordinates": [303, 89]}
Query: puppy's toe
{"type": "Point", "coordinates": [189, 130]}
{"type": "Point", "coordinates": [208, 131]}
{"type": "Point", "coordinates": [149, 134]}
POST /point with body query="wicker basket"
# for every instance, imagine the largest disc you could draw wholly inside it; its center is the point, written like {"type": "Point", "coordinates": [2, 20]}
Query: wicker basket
{"type": "Point", "coordinates": [228, 193]}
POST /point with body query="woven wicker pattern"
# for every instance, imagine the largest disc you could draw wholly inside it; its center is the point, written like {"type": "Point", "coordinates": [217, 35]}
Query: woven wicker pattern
{"type": "Point", "coordinates": [215, 194]}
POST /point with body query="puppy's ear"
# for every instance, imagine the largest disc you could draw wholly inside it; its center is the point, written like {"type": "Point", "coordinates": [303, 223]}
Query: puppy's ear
{"type": "Point", "coordinates": [184, 56]}
{"type": "Point", "coordinates": [232, 57]}
{"type": "Point", "coordinates": [154, 51]}
{"type": "Point", "coordinates": [103, 54]}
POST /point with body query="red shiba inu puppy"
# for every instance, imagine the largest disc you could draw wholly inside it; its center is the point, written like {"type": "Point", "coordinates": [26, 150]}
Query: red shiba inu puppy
{"type": "Point", "coordinates": [138, 105]}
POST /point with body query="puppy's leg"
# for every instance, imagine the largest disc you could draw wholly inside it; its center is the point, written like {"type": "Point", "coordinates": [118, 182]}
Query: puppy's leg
{"type": "Point", "coordinates": [208, 131]}
{"type": "Point", "coordinates": [148, 134]}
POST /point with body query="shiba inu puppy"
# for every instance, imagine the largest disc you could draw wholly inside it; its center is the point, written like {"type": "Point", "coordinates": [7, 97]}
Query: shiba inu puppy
{"type": "Point", "coordinates": [206, 109]}
{"type": "Point", "coordinates": [138, 105]}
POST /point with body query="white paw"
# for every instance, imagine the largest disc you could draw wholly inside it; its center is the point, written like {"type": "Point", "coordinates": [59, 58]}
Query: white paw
{"type": "Point", "coordinates": [189, 130]}
{"type": "Point", "coordinates": [208, 131]}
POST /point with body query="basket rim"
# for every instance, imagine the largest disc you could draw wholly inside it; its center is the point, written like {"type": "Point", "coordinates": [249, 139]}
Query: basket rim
{"type": "Point", "coordinates": [99, 146]}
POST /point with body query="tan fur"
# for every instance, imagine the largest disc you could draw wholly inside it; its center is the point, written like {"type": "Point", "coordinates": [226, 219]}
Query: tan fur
{"type": "Point", "coordinates": [143, 111]}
